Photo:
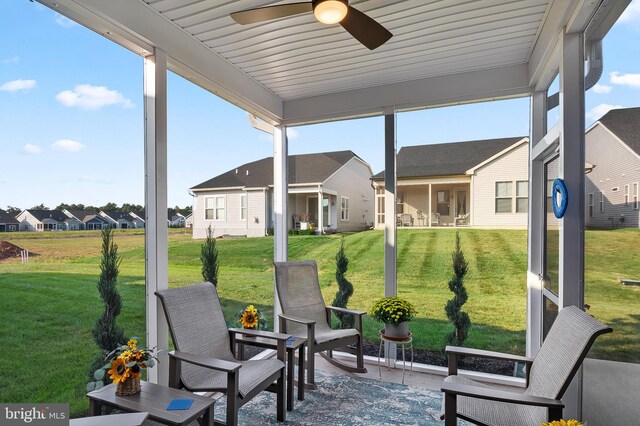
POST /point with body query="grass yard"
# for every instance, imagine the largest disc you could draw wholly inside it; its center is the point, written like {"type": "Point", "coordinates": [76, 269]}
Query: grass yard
{"type": "Point", "coordinates": [50, 305]}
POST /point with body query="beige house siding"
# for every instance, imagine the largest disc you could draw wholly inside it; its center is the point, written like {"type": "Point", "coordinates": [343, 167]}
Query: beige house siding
{"type": "Point", "coordinates": [232, 224]}
{"type": "Point", "coordinates": [615, 166]}
{"type": "Point", "coordinates": [510, 167]}
{"type": "Point", "coordinates": [28, 222]}
{"type": "Point", "coordinates": [353, 181]}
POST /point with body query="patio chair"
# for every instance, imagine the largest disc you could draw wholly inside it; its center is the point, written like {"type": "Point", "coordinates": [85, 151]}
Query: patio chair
{"type": "Point", "coordinates": [304, 314]}
{"type": "Point", "coordinates": [548, 375]}
{"type": "Point", "coordinates": [463, 220]}
{"type": "Point", "coordinates": [203, 359]}
{"type": "Point", "coordinates": [435, 219]}
{"type": "Point", "coordinates": [406, 219]}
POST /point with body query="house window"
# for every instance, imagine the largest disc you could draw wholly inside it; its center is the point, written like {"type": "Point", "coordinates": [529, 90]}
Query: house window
{"type": "Point", "coordinates": [591, 205]}
{"type": "Point", "coordinates": [503, 197]}
{"type": "Point", "coordinates": [214, 208]}
{"type": "Point", "coordinates": [626, 195]}
{"type": "Point", "coordinates": [601, 202]}
{"type": "Point", "coordinates": [549, 195]}
{"type": "Point", "coordinates": [243, 207]}
{"type": "Point", "coordinates": [443, 203]}
{"type": "Point", "coordinates": [522, 196]}
{"type": "Point", "coordinates": [635, 195]}
{"type": "Point", "coordinates": [380, 204]}
{"type": "Point", "coordinates": [344, 208]}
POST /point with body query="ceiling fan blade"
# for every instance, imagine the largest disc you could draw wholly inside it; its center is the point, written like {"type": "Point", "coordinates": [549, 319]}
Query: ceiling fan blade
{"type": "Point", "coordinates": [251, 16]}
{"type": "Point", "coordinates": [365, 29]}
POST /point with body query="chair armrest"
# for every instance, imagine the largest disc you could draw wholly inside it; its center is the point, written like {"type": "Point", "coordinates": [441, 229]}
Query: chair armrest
{"type": "Point", "coordinates": [345, 310]}
{"type": "Point", "coordinates": [457, 350]}
{"type": "Point", "coordinates": [205, 361]}
{"type": "Point", "coordinates": [297, 319]}
{"type": "Point", "coordinates": [500, 395]}
{"type": "Point", "coordinates": [260, 333]}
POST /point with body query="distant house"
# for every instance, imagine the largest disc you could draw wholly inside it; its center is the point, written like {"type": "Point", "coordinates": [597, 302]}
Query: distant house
{"type": "Point", "coordinates": [612, 145]}
{"type": "Point", "coordinates": [8, 222]}
{"type": "Point", "coordinates": [331, 190]}
{"type": "Point", "coordinates": [46, 220]}
{"type": "Point", "coordinates": [116, 219]}
{"type": "Point", "coordinates": [483, 183]}
{"type": "Point", "coordinates": [90, 220]}
{"type": "Point", "coordinates": [137, 219]}
{"type": "Point", "coordinates": [176, 219]}
{"type": "Point", "coordinates": [188, 221]}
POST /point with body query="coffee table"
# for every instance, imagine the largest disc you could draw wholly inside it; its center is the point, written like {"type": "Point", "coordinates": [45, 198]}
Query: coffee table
{"type": "Point", "coordinates": [154, 399]}
{"type": "Point", "coordinates": [298, 344]}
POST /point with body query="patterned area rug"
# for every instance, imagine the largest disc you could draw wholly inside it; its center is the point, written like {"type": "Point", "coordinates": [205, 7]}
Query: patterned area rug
{"type": "Point", "coordinates": [344, 400]}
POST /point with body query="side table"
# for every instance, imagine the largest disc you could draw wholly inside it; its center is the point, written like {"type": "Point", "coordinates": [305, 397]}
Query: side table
{"type": "Point", "coordinates": [154, 399]}
{"type": "Point", "coordinates": [403, 342]}
{"type": "Point", "coordinates": [298, 344]}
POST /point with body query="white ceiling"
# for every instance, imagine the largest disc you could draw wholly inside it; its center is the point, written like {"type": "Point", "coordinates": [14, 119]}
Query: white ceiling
{"type": "Point", "coordinates": [295, 70]}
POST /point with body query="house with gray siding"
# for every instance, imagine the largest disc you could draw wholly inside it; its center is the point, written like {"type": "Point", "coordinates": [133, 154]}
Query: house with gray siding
{"type": "Point", "coordinates": [481, 183]}
{"type": "Point", "coordinates": [329, 192]}
{"type": "Point", "coordinates": [46, 220]}
{"type": "Point", "coordinates": [90, 220]}
{"type": "Point", "coordinates": [8, 222]}
{"type": "Point", "coordinates": [612, 146]}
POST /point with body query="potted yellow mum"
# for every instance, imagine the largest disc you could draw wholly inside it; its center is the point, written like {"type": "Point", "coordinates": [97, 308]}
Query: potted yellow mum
{"type": "Point", "coordinates": [395, 313]}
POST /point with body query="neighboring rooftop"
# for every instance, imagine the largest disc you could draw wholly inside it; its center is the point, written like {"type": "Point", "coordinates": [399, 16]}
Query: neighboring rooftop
{"type": "Point", "coordinates": [84, 215]}
{"type": "Point", "coordinates": [6, 217]}
{"type": "Point", "coordinates": [446, 159]}
{"type": "Point", "coordinates": [56, 215]}
{"type": "Point", "coordinates": [625, 124]}
{"type": "Point", "coordinates": [304, 168]}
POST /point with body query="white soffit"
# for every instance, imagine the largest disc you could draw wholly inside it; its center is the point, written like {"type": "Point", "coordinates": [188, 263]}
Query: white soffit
{"type": "Point", "coordinates": [295, 70]}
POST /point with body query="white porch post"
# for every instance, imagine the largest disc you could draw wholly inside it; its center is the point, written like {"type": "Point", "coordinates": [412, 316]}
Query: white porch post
{"type": "Point", "coordinates": [156, 239]}
{"type": "Point", "coordinates": [320, 212]}
{"type": "Point", "coordinates": [537, 211]}
{"type": "Point", "coordinates": [429, 205]}
{"type": "Point", "coordinates": [280, 215]}
{"type": "Point", "coordinates": [390, 235]}
{"type": "Point", "coordinates": [572, 155]}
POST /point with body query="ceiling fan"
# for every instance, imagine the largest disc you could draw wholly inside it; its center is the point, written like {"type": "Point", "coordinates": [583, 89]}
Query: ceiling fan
{"type": "Point", "coordinates": [363, 28]}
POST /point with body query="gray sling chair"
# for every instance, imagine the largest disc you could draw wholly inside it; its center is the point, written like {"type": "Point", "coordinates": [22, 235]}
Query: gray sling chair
{"type": "Point", "coordinates": [304, 314]}
{"type": "Point", "coordinates": [548, 376]}
{"type": "Point", "coordinates": [203, 360]}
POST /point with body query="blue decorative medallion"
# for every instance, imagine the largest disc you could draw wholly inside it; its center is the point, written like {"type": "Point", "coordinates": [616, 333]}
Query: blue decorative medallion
{"type": "Point", "coordinates": [559, 198]}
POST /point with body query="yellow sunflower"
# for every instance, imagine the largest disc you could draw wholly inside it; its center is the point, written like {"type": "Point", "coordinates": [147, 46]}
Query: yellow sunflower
{"type": "Point", "coordinates": [132, 343]}
{"type": "Point", "coordinates": [118, 372]}
{"type": "Point", "coordinates": [249, 319]}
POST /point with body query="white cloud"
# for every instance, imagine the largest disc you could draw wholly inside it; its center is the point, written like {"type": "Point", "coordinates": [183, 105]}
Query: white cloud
{"type": "Point", "coordinates": [631, 13]}
{"type": "Point", "coordinates": [86, 96]}
{"type": "Point", "coordinates": [631, 80]}
{"type": "Point", "coordinates": [15, 85]}
{"type": "Point", "coordinates": [600, 110]}
{"type": "Point", "coordinates": [13, 60]}
{"type": "Point", "coordinates": [65, 22]}
{"type": "Point", "coordinates": [601, 88]}
{"type": "Point", "coordinates": [32, 149]}
{"type": "Point", "coordinates": [67, 145]}
{"type": "Point", "coordinates": [292, 133]}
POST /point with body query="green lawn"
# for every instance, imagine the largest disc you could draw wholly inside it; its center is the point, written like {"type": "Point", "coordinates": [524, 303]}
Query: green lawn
{"type": "Point", "coordinates": [50, 305]}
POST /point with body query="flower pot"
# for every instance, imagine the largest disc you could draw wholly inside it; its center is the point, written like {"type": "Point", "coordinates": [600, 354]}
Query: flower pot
{"type": "Point", "coordinates": [304, 226]}
{"type": "Point", "coordinates": [400, 330]}
{"type": "Point", "coordinates": [128, 387]}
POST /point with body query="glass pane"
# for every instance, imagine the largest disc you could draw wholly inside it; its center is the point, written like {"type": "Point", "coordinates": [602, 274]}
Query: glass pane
{"type": "Point", "coordinates": [219, 202]}
{"type": "Point", "coordinates": [208, 214]}
{"type": "Point", "coordinates": [503, 189]}
{"type": "Point", "coordinates": [521, 205]}
{"type": "Point", "coordinates": [443, 196]}
{"type": "Point", "coordinates": [503, 205]}
{"type": "Point", "coordinates": [552, 235]}
{"type": "Point", "coordinates": [522, 189]}
{"type": "Point", "coordinates": [208, 203]}
{"type": "Point", "coordinates": [549, 315]}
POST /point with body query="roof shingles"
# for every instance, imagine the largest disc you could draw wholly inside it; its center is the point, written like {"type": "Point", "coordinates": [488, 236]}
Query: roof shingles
{"type": "Point", "coordinates": [625, 124]}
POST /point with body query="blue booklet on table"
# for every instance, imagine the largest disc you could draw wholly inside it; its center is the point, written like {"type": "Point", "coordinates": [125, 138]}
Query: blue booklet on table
{"type": "Point", "coordinates": [180, 404]}
{"type": "Point", "coordinates": [290, 340]}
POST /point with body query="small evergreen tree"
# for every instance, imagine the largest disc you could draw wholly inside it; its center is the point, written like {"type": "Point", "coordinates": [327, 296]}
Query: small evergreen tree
{"type": "Point", "coordinates": [345, 288]}
{"type": "Point", "coordinates": [460, 319]}
{"type": "Point", "coordinates": [106, 333]}
{"type": "Point", "coordinates": [209, 258]}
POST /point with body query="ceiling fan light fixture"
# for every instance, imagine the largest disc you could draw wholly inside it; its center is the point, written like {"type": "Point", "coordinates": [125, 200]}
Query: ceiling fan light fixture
{"type": "Point", "coordinates": [330, 11]}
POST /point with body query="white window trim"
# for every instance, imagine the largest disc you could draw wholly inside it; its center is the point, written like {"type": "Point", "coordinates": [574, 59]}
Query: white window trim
{"type": "Point", "coordinates": [635, 196]}
{"type": "Point", "coordinates": [496, 197]}
{"type": "Point", "coordinates": [590, 199]}
{"type": "Point", "coordinates": [343, 210]}
{"type": "Point", "coordinates": [244, 210]}
{"type": "Point", "coordinates": [520, 197]}
{"type": "Point", "coordinates": [626, 195]}
{"type": "Point", "coordinates": [214, 208]}
{"type": "Point", "coordinates": [601, 202]}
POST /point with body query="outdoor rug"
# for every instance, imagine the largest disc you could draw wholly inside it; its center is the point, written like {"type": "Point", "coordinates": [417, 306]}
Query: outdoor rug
{"type": "Point", "coordinates": [344, 400]}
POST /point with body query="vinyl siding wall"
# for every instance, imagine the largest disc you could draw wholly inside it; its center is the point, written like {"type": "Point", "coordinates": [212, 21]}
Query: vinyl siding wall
{"type": "Point", "coordinates": [511, 167]}
{"type": "Point", "coordinates": [353, 181]}
{"type": "Point", "coordinates": [254, 225]}
{"type": "Point", "coordinates": [615, 167]}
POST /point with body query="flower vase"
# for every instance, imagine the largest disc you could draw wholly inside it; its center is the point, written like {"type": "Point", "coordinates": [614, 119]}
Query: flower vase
{"type": "Point", "coordinates": [400, 330]}
{"type": "Point", "coordinates": [128, 387]}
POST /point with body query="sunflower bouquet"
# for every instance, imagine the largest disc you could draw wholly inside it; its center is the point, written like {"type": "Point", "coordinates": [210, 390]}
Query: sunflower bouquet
{"type": "Point", "coordinates": [251, 318]}
{"type": "Point", "coordinates": [124, 367]}
{"type": "Point", "coordinates": [571, 422]}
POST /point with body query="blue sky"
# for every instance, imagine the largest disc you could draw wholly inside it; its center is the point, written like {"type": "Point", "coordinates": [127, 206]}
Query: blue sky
{"type": "Point", "coordinates": [71, 116]}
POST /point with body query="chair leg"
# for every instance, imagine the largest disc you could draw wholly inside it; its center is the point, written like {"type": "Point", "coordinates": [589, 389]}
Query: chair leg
{"type": "Point", "coordinates": [232, 398]}
{"type": "Point", "coordinates": [360, 353]}
{"type": "Point", "coordinates": [311, 368]}
{"type": "Point", "coordinates": [450, 410]}
{"type": "Point", "coordinates": [280, 397]}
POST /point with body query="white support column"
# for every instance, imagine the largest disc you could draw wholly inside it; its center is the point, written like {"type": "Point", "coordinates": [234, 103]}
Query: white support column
{"type": "Point", "coordinates": [429, 204]}
{"type": "Point", "coordinates": [280, 214]}
{"type": "Point", "coordinates": [156, 239]}
{"type": "Point", "coordinates": [390, 235]}
{"type": "Point", "coordinates": [536, 226]}
{"type": "Point", "coordinates": [572, 154]}
{"type": "Point", "coordinates": [320, 212]}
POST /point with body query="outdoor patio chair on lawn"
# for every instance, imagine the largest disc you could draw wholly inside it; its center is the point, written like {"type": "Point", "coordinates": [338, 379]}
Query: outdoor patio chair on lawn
{"type": "Point", "coordinates": [203, 360]}
{"type": "Point", "coordinates": [406, 219]}
{"type": "Point", "coordinates": [305, 314]}
{"type": "Point", "coordinates": [548, 376]}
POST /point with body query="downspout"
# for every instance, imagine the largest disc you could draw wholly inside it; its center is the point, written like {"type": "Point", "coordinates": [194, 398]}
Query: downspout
{"type": "Point", "coordinates": [594, 72]}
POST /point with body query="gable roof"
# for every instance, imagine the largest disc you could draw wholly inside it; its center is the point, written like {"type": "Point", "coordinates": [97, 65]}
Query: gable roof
{"type": "Point", "coordinates": [118, 215]}
{"type": "Point", "coordinates": [83, 215]}
{"type": "Point", "coordinates": [304, 168]}
{"type": "Point", "coordinates": [625, 124]}
{"type": "Point", "coordinates": [447, 159]}
{"type": "Point", "coordinates": [56, 215]}
{"type": "Point", "coordinates": [6, 217]}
